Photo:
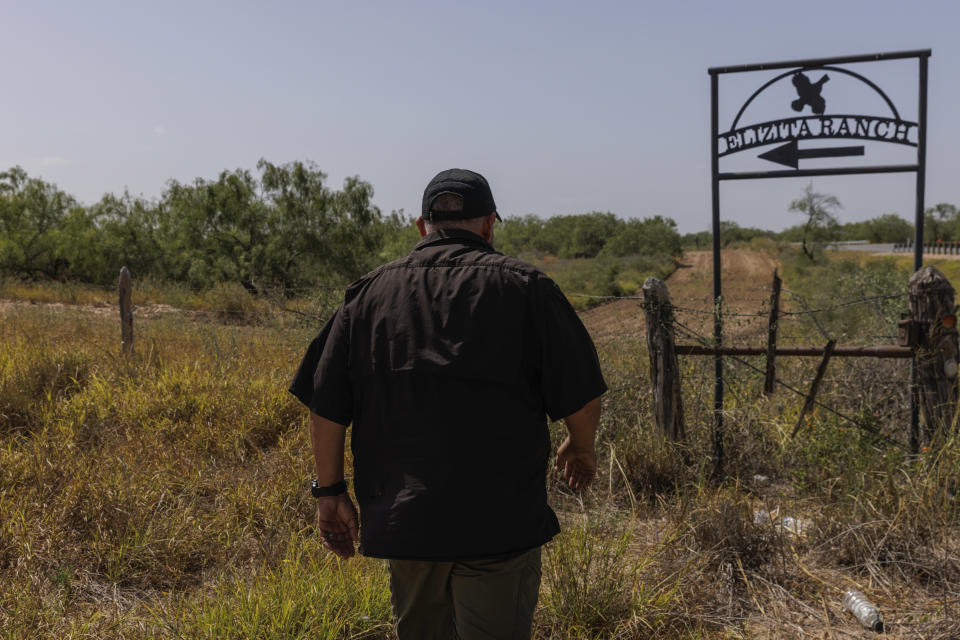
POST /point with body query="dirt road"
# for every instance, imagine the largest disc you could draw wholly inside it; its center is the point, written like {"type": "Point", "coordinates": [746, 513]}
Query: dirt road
{"type": "Point", "coordinates": [746, 282]}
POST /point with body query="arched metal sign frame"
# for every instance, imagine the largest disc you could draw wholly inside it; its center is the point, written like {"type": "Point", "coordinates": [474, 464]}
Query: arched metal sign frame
{"type": "Point", "coordinates": [788, 132]}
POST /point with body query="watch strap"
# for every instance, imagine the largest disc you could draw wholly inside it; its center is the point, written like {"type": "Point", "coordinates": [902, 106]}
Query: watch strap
{"type": "Point", "coordinates": [334, 489]}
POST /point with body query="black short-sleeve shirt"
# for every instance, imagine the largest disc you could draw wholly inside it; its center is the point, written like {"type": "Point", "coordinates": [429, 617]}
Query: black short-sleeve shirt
{"type": "Point", "coordinates": [447, 363]}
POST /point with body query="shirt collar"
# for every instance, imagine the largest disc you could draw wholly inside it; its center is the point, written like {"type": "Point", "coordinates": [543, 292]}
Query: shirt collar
{"type": "Point", "coordinates": [451, 235]}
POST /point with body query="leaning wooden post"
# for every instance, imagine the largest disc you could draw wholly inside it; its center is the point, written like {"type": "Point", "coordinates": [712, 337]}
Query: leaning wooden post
{"type": "Point", "coordinates": [126, 312]}
{"type": "Point", "coordinates": [815, 386]}
{"type": "Point", "coordinates": [936, 355]}
{"type": "Point", "coordinates": [664, 370]}
{"type": "Point", "coordinates": [769, 383]}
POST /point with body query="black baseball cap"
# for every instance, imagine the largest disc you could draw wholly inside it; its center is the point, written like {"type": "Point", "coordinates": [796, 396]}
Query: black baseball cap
{"type": "Point", "coordinates": [472, 189]}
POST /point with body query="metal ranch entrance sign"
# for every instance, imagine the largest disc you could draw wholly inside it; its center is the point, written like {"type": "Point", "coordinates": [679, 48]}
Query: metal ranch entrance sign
{"type": "Point", "coordinates": [807, 116]}
{"type": "Point", "coordinates": [818, 126]}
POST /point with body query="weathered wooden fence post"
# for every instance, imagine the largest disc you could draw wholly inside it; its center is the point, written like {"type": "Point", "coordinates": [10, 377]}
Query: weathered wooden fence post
{"type": "Point", "coordinates": [664, 370]}
{"type": "Point", "coordinates": [935, 358]}
{"type": "Point", "coordinates": [815, 386]}
{"type": "Point", "coordinates": [126, 312]}
{"type": "Point", "coordinates": [769, 383]}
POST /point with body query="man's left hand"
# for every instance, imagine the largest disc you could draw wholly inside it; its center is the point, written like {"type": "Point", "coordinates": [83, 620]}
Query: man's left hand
{"type": "Point", "coordinates": [337, 522]}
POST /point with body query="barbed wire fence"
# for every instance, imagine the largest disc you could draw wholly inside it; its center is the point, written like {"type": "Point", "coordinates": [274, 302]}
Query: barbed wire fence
{"type": "Point", "coordinates": [871, 394]}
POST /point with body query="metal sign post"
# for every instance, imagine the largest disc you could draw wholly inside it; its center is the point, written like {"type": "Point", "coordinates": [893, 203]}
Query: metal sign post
{"type": "Point", "coordinates": [811, 122]}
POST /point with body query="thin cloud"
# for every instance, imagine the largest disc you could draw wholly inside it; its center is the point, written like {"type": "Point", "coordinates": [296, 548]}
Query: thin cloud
{"type": "Point", "coordinates": [159, 131]}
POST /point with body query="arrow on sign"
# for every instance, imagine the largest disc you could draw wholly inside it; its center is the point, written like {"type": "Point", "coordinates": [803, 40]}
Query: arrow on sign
{"type": "Point", "coordinates": [788, 154]}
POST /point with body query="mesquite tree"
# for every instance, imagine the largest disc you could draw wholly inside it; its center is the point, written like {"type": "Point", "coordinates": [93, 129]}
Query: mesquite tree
{"type": "Point", "coordinates": [821, 223]}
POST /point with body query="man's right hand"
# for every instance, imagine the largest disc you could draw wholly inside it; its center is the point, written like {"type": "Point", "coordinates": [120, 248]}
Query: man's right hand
{"type": "Point", "coordinates": [578, 464]}
{"type": "Point", "coordinates": [337, 522]}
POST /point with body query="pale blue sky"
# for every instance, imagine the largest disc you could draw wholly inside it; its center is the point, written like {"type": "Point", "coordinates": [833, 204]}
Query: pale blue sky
{"type": "Point", "coordinates": [566, 107]}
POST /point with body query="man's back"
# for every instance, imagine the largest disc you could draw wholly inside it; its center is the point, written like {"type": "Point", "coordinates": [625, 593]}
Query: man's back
{"type": "Point", "coordinates": [451, 372]}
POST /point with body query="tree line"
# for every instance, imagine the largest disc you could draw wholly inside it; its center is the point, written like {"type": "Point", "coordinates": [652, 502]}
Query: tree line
{"type": "Point", "coordinates": [821, 226]}
{"type": "Point", "coordinates": [281, 226]}
{"type": "Point", "coordinates": [589, 235]}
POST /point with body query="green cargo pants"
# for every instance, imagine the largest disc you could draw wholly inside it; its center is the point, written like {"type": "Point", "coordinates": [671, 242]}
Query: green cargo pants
{"type": "Point", "coordinates": [474, 600]}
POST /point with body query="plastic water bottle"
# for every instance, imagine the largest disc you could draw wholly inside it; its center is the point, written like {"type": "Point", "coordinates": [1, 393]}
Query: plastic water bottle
{"type": "Point", "coordinates": [863, 610]}
{"type": "Point", "coordinates": [793, 525]}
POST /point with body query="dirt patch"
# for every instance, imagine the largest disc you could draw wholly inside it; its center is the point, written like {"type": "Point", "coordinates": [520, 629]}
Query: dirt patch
{"type": "Point", "coordinates": [745, 273]}
{"type": "Point", "coordinates": [148, 311]}
{"type": "Point", "coordinates": [59, 306]}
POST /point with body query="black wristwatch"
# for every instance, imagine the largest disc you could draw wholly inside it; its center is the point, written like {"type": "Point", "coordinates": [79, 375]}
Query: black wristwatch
{"type": "Point", "coordinates": [324, 492]}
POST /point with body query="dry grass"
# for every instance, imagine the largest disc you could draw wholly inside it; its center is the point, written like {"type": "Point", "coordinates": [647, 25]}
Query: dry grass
{"type": "Point", "coordinates": [163, 496]}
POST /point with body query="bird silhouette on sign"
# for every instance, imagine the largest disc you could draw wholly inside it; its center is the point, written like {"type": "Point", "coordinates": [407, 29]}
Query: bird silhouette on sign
{"type": "Point", "coordinates": [809, 93]}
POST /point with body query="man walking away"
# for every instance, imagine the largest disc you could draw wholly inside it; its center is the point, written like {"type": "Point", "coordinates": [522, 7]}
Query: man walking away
{"type": "Point", "coordinates": [447, 363]}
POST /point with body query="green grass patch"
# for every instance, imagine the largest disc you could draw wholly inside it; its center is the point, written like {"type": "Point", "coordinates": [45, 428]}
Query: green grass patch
{"type": "Point", "coordinates": [307, 595]}
{"type": "Point", "coordinates": [588, 282]}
